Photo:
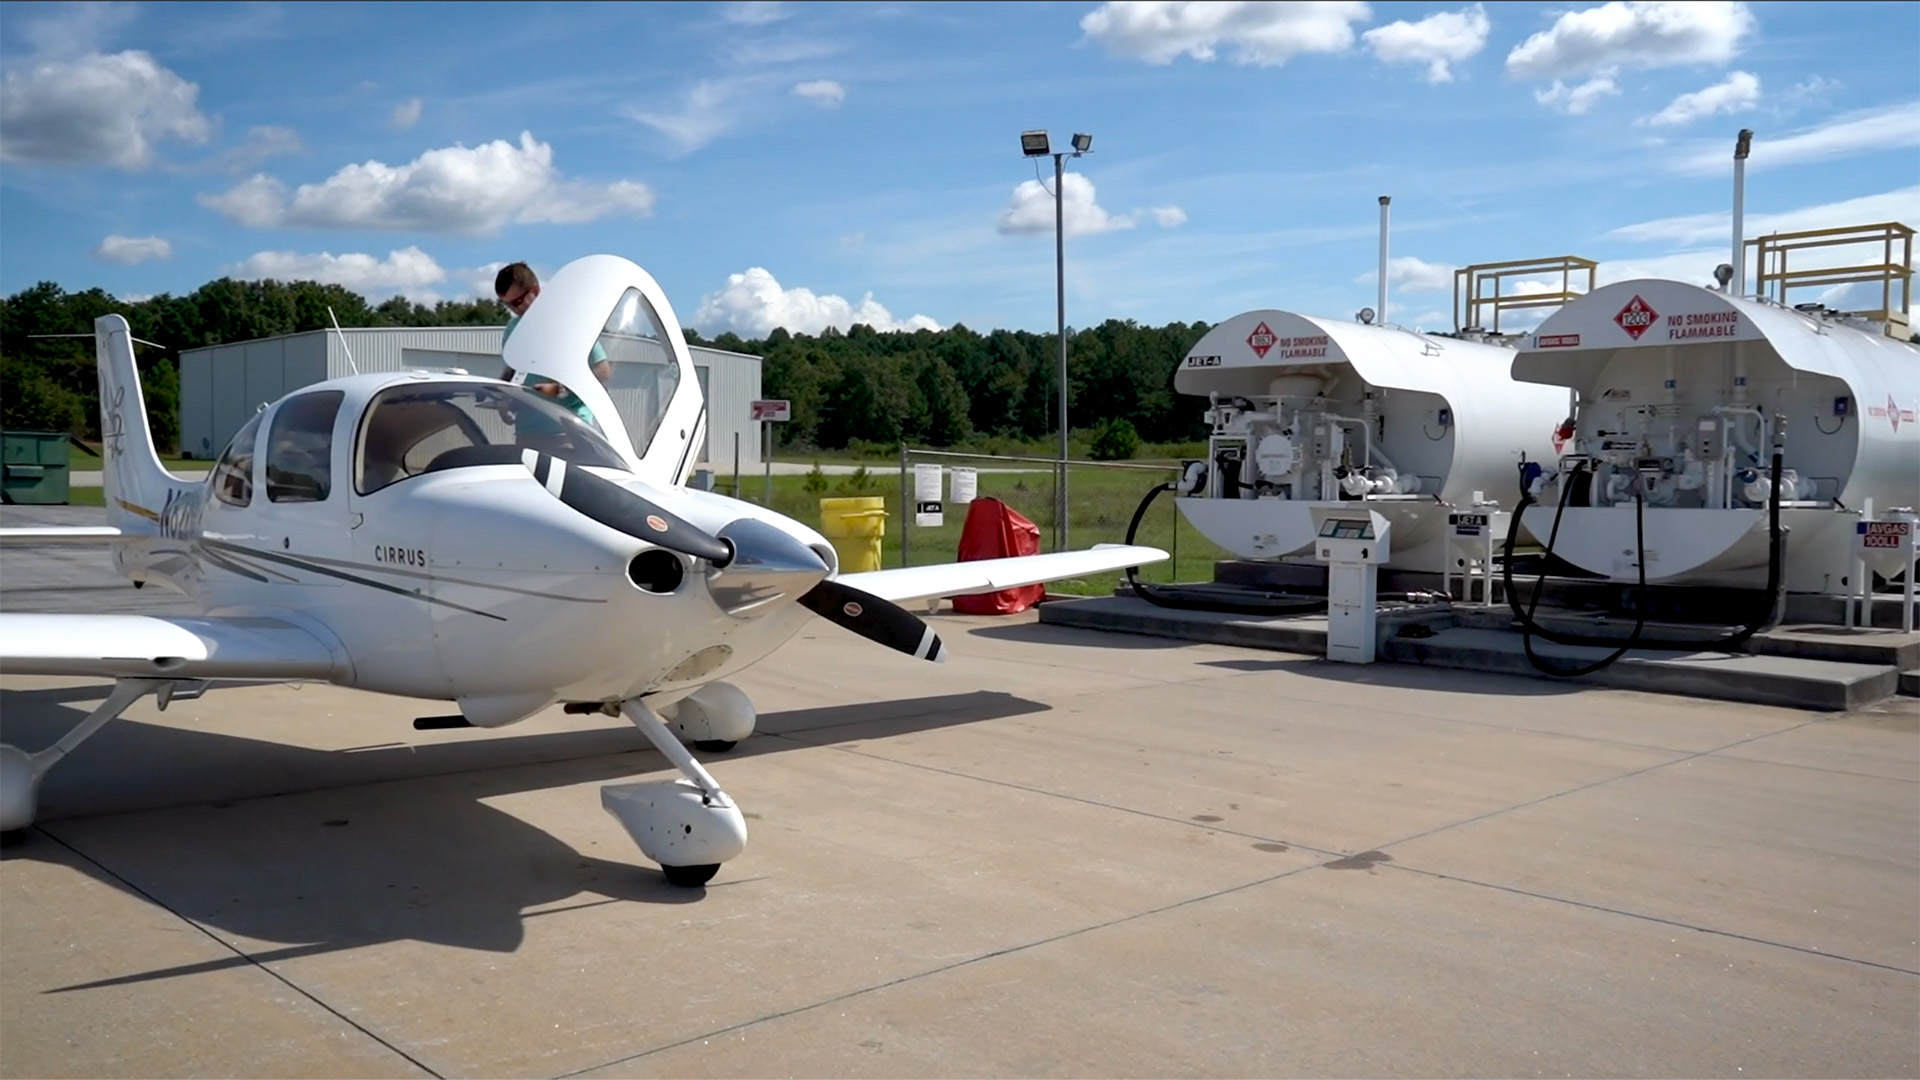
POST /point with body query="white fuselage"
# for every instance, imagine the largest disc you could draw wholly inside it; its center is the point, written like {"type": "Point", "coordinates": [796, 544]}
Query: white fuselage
{"type": "Point", "coordinates": [471, 583]}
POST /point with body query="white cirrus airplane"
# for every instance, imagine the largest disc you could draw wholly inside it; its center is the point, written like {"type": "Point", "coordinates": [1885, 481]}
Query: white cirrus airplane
{"type": "Point", "coordinates": [467, 540]}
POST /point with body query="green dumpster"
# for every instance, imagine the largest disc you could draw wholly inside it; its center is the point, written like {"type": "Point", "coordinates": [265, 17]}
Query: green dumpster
{"type": "Point", "coordinates": [33, 466]}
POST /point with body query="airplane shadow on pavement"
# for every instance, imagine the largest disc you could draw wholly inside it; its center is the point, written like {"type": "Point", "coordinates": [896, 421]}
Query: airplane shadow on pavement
{"type": "Point", "coordinates": [282, 851]}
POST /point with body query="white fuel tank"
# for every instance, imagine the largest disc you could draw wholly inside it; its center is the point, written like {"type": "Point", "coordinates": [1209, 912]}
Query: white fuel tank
{"type": "Point", "coordinates": [1321, 412]}
{"type": "Point", "coordinates": [1684, 392]}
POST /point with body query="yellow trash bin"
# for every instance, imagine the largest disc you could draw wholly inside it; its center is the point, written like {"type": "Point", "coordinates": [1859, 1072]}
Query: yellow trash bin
{"type": "Point", "coordinates": [855, 527]}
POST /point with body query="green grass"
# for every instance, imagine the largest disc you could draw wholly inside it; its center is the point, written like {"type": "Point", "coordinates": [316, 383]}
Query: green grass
{"type": "Point", "coordinates": [83, 462]}
{"type": "Point", "coordinates": [1102, 502]}
{"type": "Point", "coordinates": [1079, 446]}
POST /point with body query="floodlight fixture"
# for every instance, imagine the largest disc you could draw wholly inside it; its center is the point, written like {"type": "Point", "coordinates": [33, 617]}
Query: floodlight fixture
{"type": "Point", "coordinates": [1743, 144]}
{"type": "Point", "coordinates": [1034, 144]}
{"type": "Point", "coordinates": [1365, 315]}
{"type": "Point", "coordinates": [1082, 143]}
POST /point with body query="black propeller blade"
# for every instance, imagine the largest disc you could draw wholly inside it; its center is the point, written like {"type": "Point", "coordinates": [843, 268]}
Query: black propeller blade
{"type": "Point", "coordinates": [602, 500]}
{"type": "Point", "coordinates": [875, 619]}
{"type": "Point", "coordinates": [617, 507]}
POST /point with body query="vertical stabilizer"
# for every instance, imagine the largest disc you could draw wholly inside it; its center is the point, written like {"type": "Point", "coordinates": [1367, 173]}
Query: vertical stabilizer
{"type": "Point", "coordinates": [137, 487]}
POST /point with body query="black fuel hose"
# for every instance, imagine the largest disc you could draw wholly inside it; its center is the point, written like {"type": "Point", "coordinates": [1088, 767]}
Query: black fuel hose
{"type": "Point", "coordinates": [1195, 600]}
{"type": "Point", "coordinates": [1529, 628]}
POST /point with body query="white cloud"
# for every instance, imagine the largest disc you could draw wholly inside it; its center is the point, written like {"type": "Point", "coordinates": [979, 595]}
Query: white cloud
{"type": "Point", "coordinates": [1409, 274]}
{"type": "Point", "coordinates": [753, 12]}
{"type": "Point", "coordinates": [1267, 34]}
{"type": "Point", "coordinates": [1659, 33]}
{"type": "Point", "coordinates": [1812, 90]}
{"type": "Point", "coordinates": [1706, 238]}
{"type": "Point", "coordinates": [1889, 127]}
{"type": "Point", "coordinates": [1576, 100]}
{"type": "Point", "coordinates": [129, 250]}
{"type": "Point", "coordinates": [1738, 92]}
{"type": "Point", "coordinates": [754, 304]}
{"type": "Point", "coordinates": [1900, 205]}
{"type": "Point", "coordinates": [710, 110]}
{"type": "Point", "coordinates": [1438, 40]}
{"type": "Point", "coordinates": [1694, 267]}
{"type": "Point", "coordinates": [69, 30]}
{"type": "Point", "coordinates": [404, 272]}
{"type": "Point", "coordinates": [822, 92]}
{"type": "Point", "coordinates": [407, 113]}
{"type": "Point", "coordinates": [451, 190]}
{"type": "Point", "coordinates": [96, 110]}
{"type": "Point", "coordinates": [1030, 210]}
{"type": "Point", "coordinates": [261, 143]}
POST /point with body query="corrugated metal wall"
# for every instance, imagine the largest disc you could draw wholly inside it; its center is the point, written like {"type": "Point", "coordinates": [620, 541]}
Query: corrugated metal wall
{"type": "Point", "coordinates": [222, 385]}
{"type": "Point", "coordinates": [385, 349]}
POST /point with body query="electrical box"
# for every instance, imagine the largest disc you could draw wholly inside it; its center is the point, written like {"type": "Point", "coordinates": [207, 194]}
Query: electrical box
{"type": "Point", "coordinates": [1712, 439]}
{"type": "Point", "coordinates": [1473, 535]}
{"type": "Point", "coordinates": [1353, 543]}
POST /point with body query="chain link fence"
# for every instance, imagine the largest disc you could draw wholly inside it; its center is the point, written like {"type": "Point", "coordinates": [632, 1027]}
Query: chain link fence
{"type": "Point", "coordinates": [1101, 498]}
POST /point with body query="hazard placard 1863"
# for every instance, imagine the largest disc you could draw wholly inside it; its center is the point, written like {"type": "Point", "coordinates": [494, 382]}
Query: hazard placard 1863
{"type": "Point", "coordinates": [1261, 340]}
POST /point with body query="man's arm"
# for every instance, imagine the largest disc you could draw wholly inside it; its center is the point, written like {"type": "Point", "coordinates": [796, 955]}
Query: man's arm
{"type": "Point", "coordinates": [597, 359]}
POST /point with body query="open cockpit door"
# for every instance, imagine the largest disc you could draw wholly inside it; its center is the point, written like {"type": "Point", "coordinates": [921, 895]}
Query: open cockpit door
{"type": "Point", "coordinates": [605, 307]}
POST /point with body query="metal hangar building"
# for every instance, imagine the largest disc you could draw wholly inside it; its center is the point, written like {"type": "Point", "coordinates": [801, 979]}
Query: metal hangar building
{"type": "Point", "coordinates": [222, 385]}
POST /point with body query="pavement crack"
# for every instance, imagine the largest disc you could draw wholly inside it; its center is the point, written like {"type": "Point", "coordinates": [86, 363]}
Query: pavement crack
{"type": "Point", "coordinates": [1602, 782]}
{"type": "Point", "coordinates": [1644, 917]}
{"type": "Point", "coordinates": [995, 954]}
{"type": "Point", "coordinates": [240, 958]}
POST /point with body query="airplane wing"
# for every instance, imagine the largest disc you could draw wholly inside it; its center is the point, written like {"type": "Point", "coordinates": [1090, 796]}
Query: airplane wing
{"type": "Point", "coordinates": [148, 646]}
{"type": "Point", "coordinates": [992, 575]}
{"type": "Point", "coordinates": [59, 534]}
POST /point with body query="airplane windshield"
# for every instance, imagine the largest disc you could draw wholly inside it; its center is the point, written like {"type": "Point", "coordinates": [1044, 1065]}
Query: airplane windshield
{"type": "Point", "coordinates": [409, 427]}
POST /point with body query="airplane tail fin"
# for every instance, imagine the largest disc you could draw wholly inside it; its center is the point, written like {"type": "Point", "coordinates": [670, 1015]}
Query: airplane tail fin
{"type": "Point", "coordinates": [137, 487]}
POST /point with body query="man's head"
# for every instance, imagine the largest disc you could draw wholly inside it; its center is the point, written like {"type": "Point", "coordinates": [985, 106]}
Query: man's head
{"type": "Point", "coordinates": [516, 285]}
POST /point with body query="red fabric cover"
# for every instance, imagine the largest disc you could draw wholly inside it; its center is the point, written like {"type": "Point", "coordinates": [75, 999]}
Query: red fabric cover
{"type": "Point", "coordinates": [995, 530]}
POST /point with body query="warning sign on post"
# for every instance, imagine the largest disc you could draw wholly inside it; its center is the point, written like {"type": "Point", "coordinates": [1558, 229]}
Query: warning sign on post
{"type": "Point", "coordinates": [966, 486]}
{"type": "Point", "coordinates": [926, 496]}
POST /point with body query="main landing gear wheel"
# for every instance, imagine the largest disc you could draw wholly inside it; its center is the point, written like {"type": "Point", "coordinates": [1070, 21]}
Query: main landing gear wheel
{"type": "Point", "coordinates": [690, 877]}
{"type": "Point", "coordinates": [715, 746]}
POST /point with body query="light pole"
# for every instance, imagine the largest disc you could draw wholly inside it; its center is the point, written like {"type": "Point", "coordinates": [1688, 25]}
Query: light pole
{"type": "Point", "coordinates": [1035, 144]}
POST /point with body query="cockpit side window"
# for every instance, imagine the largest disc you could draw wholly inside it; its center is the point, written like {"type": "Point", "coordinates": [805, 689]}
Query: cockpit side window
{"type": "Point", "coordinates": [645, 371]}
{"type": "Point", "coordinates": [300, 448]}
{"type": "Point", "coordinates": [233, 473]}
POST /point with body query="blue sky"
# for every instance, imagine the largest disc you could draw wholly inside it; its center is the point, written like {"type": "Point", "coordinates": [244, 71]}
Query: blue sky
{"type": "Point", "coordinates": [799, 165]}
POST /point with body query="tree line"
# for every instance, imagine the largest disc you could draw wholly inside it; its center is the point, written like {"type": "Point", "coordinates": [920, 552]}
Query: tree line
{"type": "Point", "coordinates": [860, 388]}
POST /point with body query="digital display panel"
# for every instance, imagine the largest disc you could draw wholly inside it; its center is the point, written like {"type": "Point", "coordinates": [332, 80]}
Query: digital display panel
{"type": "Point", "coordinates": [1347, 529]}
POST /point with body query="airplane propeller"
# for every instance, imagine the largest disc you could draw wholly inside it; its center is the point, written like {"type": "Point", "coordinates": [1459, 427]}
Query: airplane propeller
{"type": "Point", "coordinates": [602, 500]}
{"type": "Point", "coordinates": [877, 619]}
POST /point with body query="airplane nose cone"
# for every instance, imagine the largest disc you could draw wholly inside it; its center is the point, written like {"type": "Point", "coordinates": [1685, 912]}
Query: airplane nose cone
{"type": "Point", "coordinates": [769, 566]}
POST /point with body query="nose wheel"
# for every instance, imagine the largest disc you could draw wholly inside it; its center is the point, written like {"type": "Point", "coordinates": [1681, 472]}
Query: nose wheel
{"type": "Point", "coordinates": [687, 825]}
{"type": "Point", "coordinates": [690, 877]}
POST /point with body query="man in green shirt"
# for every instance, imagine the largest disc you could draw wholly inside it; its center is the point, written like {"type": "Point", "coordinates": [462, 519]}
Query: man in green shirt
{"type": "Point", "coordinates": [516, 285]}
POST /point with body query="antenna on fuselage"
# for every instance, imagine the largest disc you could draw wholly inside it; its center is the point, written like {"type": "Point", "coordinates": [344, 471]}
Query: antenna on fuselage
{"type": "Point", "coordinates": [343, 340]}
